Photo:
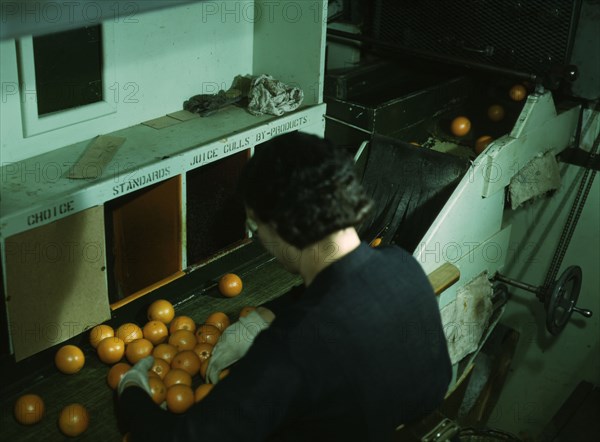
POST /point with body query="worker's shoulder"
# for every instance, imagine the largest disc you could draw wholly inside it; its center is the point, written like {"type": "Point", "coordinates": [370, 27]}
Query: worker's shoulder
{"type": "Point", "coordinates": [394, 256]}
{"type": "Point", "coordinates": [393, 250]}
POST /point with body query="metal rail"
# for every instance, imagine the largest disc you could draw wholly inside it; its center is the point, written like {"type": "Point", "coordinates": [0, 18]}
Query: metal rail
{"type": "Point", "coordinates": [574, 214]}
{"type": "Point", "coordinates": [433, 56]}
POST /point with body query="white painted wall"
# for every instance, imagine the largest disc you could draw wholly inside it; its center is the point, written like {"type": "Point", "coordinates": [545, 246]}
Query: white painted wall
{"type": "Point", "coordinates": [161, 58]}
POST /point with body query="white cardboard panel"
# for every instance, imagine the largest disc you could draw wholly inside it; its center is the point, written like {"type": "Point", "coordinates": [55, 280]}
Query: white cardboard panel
{"type": "Point", "coordinates": [56, 281]}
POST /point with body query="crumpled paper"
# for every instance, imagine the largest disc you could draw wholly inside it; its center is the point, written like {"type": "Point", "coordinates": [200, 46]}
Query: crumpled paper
{"type": "Point", "coordinates": [466, 318]}
{"type": "Point", "coordinates": [270, 96]}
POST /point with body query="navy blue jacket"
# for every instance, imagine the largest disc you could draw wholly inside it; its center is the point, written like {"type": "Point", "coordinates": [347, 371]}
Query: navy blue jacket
{"type": "Point", "coordinates": [359, 352]}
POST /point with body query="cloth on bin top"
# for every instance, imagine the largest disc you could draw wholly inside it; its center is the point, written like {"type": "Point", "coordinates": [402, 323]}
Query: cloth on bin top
{"type": "Point", "coordinates": [270, 96]}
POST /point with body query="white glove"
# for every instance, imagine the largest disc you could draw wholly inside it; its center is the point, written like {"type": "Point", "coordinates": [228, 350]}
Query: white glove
{"type": "Point", "coordinates": [137, 376]}
{"type": "Point", "coordinates": [234, 343]}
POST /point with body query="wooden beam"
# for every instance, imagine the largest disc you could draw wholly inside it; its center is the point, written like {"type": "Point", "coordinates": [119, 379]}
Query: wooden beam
{"type": "Point", "coordinates": [443, 277]}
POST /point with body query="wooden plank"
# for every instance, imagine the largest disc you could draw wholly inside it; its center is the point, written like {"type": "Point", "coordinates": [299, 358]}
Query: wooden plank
{"type": "Point", "coordinates": [443, 277]}
{"type": "Point", "coordinates": [4, 338]}
{"type": "Point", "coordinates": [183, 115]}
{"type": "Point", "coordinates": [466, 374]}
{"type": "Point", "coordinates": [148, 157]}
{"type": "Point", "coordinates": [95, 158]}
{"type": "Point", "coordinates": [502, 359]}
{"type": "Point", "coordinates": [56, 281]}
{"type": "Point", "coordinates": [161, 122]}
{"type": "Point", "coordinates": [146, 290]}
{"type": "Point", "coordinates": [147, 237]}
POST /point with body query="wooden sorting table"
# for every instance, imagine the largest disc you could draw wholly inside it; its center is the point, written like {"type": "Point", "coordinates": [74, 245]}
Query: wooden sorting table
{"type": "Point", "coordinates": [265, 281]}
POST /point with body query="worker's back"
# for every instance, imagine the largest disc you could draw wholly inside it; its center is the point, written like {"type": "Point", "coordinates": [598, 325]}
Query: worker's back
{"type": "Point", "coordinates": [368, 339]}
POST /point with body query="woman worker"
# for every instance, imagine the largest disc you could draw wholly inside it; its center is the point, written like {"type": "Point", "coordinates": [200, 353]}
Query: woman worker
{"type": "Point", "coordinates": [357, 352]}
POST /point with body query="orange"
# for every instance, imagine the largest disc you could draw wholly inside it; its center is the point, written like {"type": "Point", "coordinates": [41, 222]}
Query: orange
{"type": "Point", "coordinates": [207, 333]}
{"type": "Point", "coordinates": [29, 409]}
{"type": "Point", "coordinates": [111, 350]}
{"type": "Point", "coordinates": [187, 360]}
{"type": "Point", "coordinates": [183, 340]}
{"type": "Point", "coordinates": [246, 310]}
{"type": "Point", "coordinates": [219, 320]}
{"type": "Point", "coordinates": [69, 359]}
{"type": "Point", "coordinates": [202, 391]}
{"type": "Point", "coordinates": [204, 368]}
{"type": "Point", "coordinates": [482, 142]}
{"type": "Point", "coordinates": [129, 332]}
{"type": "Point", "coordinates": [179, 398]}
{"type": "Point", "coordinates": [223, 374]}
{"type": "Point", "coordinates": [158, 391]}
{"type": "Point", "coordinates": [100, 332]}
{"type": "Point", "coordinates": [161, 310]}
{"type": "Point", "coordinates": [230, 285]}
{"type": "Point", "coordinates": [160, 367]}
{"type": "Point", "coordinates": [203, 351]}
{"type": "Point", "coordinates": [138, 349]}
{"type": "Point", "coordinates": [517, 92]}
{"type": "Point", "coordinates": [177, 376]}
{"type": "Point", "coordinates": [460, 126]}
{"type": "Point", "coordinates": [73, 420]}
{"type": "Point", "coordinates": [376, 242]}
{"type": "Point", "coordinates": [495, 112]}
{"type": "Point", "coordinates": [182, 323]}
{"type": "Point", "coordinates": [155, 331]}
{"type": "Point", "coordinates": [165, 351]}
{"type": "Point", "coordinates": [115, 374]}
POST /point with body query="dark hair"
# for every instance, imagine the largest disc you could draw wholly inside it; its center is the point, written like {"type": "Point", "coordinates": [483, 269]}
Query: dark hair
{"type": "Point", "coordinates": [305, 186]}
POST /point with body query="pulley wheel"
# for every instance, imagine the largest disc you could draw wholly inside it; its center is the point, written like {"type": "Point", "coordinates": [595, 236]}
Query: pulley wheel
{"type": "Point", "coordinates": [561, 299]}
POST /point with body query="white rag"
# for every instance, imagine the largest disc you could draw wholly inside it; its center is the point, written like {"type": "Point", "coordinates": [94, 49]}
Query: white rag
{"type": "Point", "coordinates": [539, 176]}
{"type": "Point", "coordinates": [270, 96]}
{"type": "Point", "coordinates": [466, 318]}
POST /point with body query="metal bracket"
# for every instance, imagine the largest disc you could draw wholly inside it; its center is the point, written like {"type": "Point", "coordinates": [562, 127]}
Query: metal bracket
{"type": "Point", "coordinates": [559, 298]}
{"type": "Point", "coordinates": [580, 157]}
{"type": "Point", "coordinates": [442, 432]}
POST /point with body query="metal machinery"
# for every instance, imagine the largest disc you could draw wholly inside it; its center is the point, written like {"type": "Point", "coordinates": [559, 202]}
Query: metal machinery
{"type": "Point", "coordinates": [438, 194]}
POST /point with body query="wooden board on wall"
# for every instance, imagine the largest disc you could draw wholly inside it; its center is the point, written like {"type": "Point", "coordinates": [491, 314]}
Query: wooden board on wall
{"type": "Point", "coordinates": [147, 236]}
{"type": "Point", "coordinates": [56, 281]}
{"type": "Point", "coordinates": [215, 214]}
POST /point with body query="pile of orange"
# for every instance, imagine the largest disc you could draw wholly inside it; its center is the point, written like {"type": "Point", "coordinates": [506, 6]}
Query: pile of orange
{"type": "Point", "coordinates": [181, 351]}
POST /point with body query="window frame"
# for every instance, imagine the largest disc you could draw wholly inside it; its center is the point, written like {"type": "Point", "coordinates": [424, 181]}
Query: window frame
{"type": "Point", "coordinates": [34, 124]}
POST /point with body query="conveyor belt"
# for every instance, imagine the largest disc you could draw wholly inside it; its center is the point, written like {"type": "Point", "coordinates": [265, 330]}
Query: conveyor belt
{"type": "Point", "coordinates": [410, 185]}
